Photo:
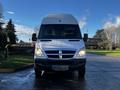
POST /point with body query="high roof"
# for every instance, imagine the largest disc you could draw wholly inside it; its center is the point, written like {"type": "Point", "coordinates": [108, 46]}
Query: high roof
{"type": "Point", "coordinates": [59, 19]}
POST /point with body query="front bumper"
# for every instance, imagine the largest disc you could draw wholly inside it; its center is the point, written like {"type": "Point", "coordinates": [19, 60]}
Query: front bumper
{"type": "Point", "coordinates": [47, 64]}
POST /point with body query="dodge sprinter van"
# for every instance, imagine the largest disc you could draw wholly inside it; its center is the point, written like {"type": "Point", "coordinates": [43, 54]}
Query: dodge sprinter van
{"type": "Point", "coordinates": [59, 45]}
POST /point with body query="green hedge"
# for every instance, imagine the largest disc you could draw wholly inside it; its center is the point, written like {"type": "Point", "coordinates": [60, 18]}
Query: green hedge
{"type": "Point", "coordinates": [105, 52]}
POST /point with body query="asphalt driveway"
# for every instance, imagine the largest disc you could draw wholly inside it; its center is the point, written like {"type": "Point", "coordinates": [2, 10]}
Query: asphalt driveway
{"type": "Point", "coordinates": [102, 73]}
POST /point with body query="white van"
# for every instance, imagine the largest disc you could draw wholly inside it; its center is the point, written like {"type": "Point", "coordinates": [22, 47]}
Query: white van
{"type": "Point", "coordinates": [59, 45]}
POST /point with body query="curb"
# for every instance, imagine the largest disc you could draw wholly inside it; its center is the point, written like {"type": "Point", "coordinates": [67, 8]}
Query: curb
{"type": "Point", "coordinates": [3, 70]}
{"type": "Point", "coordinates": [24, 67]}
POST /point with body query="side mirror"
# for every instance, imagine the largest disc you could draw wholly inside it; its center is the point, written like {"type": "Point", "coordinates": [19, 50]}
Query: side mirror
{"type": "Point", "coordinates": [85, 38]}
{"type": "Point", "coordinates": [34, 38]}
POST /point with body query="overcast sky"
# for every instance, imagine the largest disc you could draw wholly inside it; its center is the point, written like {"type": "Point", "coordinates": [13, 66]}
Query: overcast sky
{"type": "Point", "coordinates": [91, 14]}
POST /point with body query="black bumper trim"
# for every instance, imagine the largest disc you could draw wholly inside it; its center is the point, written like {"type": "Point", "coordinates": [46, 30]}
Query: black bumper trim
{"type": "Point", "coordinates": [46, 64]}
{"type": "Point", "coordinates": [59, 62]}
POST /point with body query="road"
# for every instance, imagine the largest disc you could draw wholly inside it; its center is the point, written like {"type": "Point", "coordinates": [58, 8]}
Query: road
{"type": "Point", "coordinates": [102, 73]}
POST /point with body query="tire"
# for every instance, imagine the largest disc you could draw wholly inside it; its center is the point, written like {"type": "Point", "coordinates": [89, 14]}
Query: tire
{"type": "Point", "coordinates": [38, 73]}
{"type": "Point", "coordinates": [81, 72]}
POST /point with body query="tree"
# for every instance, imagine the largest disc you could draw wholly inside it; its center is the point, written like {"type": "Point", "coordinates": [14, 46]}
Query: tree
{"type": "Point", "coordinates": [11, 32]}
{"type": "Point", "coordinates": [36, 29]}
{"type": "Point", "coordinates": [110, 34]}
{"type": "Point", "coordinates": [21, 42]}
{"type": "Point", "coordinates": [3, 39]}
{"type": "Point", "coordinates": [103, 40]}
{"type": "Point", "coordinates": [1, 11]}
{"type": "Point", "coordinates": [3, 43]}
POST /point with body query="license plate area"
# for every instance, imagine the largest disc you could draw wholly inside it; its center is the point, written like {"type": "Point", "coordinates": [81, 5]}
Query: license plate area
{"type": "Point", "coordinates": [60, 67]}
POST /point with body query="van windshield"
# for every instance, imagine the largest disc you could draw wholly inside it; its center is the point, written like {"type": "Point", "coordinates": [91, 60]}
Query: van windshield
{"type": "Point", "coordinates": [59, 31]}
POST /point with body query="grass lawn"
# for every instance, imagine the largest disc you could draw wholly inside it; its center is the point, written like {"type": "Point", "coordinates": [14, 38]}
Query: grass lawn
{"type": "Point", "coordinates": [16, 61]}
{"type": "Point", "coordinates": [105, 52]}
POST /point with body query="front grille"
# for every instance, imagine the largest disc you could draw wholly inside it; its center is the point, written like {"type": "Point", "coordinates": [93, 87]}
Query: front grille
{"type": "Point", "coordinates": [53, 56]}
{"type": "Point", "coordinates": [60, 54]}
{"type": "Point", "coordinates": [52, 52]}
{"type": "Point", "coordinates": [67, 56]}
{"type": "Point", "coordinates": [68, 52]}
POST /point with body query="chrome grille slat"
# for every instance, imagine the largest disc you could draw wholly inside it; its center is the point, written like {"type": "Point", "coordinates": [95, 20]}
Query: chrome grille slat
{"type": "Point", "coordinates": [61, 54]}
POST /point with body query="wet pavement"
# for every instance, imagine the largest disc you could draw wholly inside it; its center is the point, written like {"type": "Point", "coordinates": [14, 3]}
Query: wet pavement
{"type": "Point", "coordinates": [102, 73]}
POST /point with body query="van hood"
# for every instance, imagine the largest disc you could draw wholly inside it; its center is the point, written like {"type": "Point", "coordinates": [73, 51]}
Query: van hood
{"type": "Point", "coordinates": [61, 44]}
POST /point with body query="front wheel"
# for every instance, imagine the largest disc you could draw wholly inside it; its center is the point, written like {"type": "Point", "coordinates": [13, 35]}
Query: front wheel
{"type": "Point", "coordinates": [38, 73]}
{"type": "Point", "coordinates": [82, 73]}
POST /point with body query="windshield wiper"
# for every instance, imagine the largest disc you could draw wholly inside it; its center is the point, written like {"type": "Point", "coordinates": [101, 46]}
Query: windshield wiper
{"type": "Point", "coordinates": [74, 40]}
{"type": "Point", "coordinates": [46, 40]}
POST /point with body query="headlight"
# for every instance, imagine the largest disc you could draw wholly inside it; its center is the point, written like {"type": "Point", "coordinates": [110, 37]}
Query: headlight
{"type": "Point", "coordinates": [80, 54]}
{"type": "Point", "coordinates": [38, 52]}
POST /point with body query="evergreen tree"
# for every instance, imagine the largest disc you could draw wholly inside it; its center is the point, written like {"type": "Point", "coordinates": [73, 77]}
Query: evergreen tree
{"type": "Point", "coordinates": [11, 32]}
{"type": "Point", "coordinates": [3, 39]}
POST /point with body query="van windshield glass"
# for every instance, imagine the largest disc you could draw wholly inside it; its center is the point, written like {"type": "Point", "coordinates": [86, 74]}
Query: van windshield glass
{"type": "Point", "coordinates": [59, 31]}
